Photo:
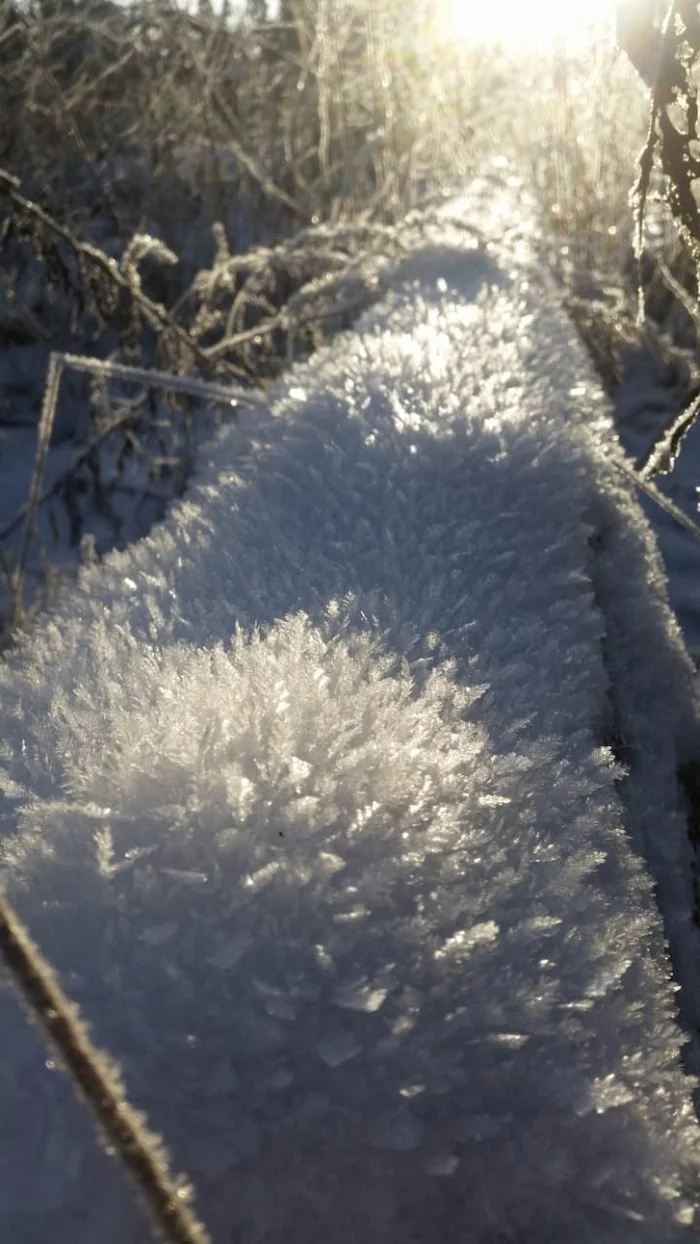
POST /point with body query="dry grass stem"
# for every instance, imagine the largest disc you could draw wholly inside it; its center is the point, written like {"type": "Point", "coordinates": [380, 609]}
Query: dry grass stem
{"type": "Point", "coordinates": [48, 411]}
{"type": "Point", "coordinates": [98, 1082]}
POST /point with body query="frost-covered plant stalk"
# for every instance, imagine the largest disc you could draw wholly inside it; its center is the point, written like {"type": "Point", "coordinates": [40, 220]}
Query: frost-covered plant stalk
{"type": "Point", "coordinates": [665, 50]}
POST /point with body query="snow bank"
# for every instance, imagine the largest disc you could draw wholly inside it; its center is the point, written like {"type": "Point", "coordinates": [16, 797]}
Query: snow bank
{"type": "Point", "coordinates": [310, 797]}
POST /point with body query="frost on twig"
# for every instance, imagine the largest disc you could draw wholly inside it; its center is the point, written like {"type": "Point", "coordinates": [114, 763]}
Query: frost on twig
{"type": "Point", "coordinates": [668, 63]}
{"type": "Point", "coordinates": [97, 1081]}
{"type": "Point", "coordinates": [106, 370]}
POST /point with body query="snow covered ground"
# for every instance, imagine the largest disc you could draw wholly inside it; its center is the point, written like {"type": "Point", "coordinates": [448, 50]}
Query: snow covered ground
{"type": "Point", "coordinates": [343, 801]}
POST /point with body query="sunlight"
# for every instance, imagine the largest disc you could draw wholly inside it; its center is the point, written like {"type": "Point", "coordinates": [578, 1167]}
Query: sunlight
{"type": "Point", "coordinates": [532, 26]}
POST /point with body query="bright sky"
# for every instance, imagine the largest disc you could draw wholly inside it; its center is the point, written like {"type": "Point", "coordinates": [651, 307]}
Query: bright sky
{"type": "Point", "coordinates": [533, 24]}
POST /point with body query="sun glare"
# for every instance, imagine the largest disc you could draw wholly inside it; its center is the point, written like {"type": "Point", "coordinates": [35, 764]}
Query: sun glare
{"type": "Point", "coordinates": [533, 25]}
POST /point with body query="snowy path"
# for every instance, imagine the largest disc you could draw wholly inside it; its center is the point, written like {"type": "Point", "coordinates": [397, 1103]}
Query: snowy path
{"type": "Point", "coordinates": [319, 817]}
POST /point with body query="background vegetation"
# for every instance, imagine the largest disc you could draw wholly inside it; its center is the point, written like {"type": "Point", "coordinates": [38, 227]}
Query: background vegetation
{"type": "Point", "coordinates": [212, 193]}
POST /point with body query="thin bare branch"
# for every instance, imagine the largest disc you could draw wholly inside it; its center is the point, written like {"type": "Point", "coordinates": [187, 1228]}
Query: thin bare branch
{"type": "Point", "coordinates": [153, 311]}
{"type": "Point", "coordinates": [653, 493]}
{"type": "Point", "coordinates": [97, 1081]}
{"type": "Point", "coordinates": [48, 411]}
{"type": "Point", "coordinates": [663, 453]}
{"type": "Point", "coordinates": [206, 390]}
{"type": "Point", "coordinates": [679, 291]}
{"type": "Point", "coordinates": [109, 370]}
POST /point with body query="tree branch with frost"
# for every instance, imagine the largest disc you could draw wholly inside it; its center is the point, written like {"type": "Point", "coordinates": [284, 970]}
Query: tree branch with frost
{"type": "Point", "coordinates": [667, 61]}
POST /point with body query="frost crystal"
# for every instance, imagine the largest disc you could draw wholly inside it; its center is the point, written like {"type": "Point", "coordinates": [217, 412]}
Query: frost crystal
{"type": "Point", "coordinates": [337, 1048]}
{"type": "Point", "coordinates": [307, 797]}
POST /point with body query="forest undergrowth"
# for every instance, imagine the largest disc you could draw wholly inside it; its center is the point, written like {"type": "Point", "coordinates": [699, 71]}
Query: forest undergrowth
{"type": "Point", "coordinates": [205, 197]}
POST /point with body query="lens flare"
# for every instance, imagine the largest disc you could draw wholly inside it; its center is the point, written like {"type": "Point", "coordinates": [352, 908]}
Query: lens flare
{"type": "Point", "coordinates": [528, 24]}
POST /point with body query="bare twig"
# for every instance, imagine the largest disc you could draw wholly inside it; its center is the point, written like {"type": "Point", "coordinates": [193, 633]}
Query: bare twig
{"type": "Point", "coordinates": [152, 311]}
{"type": "Point", "coordinates": [660, 96]}
{"type": "Point", "coordinates": [285, 321]}
{"type": "Point", "coordinates": [206, 390]}
{"type": "Point", "coordinates": [663, 453]}
{"type": "Point", "coordinates": [654, 494]}
{"type": "Point", "coordinates": [253, 170]}
{"type": "Point", "coordinates": [679, 291]}
{"type": "Point", "coordinates": [48, 411]}
{"type": "Point", "coordinates": [97, 1081]}
{"type": "Point", "coordinates": [189, 385]}
{"type": "Point", "coordinates": [639, 198]}
{"type": "Point", "coordinates": [671, 83]}
{"type": "Point", "coordinates": [7, 35]}
{"type": "Point", "coordinates": [69, 122]}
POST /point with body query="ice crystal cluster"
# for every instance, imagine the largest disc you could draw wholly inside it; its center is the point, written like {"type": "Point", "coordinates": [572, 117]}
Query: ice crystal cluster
{"type": "Point", "coordinates": [307, 797]}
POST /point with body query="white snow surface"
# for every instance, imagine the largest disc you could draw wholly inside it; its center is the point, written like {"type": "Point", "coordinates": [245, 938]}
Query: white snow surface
{"type": "Point", "coordinates": [309, 799]}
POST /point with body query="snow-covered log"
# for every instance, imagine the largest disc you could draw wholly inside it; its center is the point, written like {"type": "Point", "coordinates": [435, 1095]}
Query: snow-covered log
{"type": "Point", "coordinates": [347, 807]}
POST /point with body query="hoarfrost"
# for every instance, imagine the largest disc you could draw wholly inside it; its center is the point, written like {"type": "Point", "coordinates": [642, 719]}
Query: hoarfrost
{"type": "Point", "coordinates": [355, 772]}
